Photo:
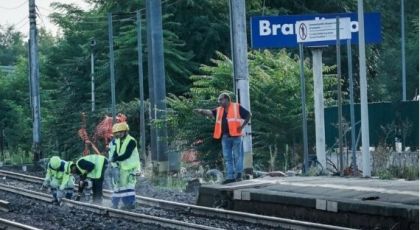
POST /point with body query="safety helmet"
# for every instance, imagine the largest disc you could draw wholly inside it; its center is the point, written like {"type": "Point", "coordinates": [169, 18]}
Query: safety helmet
{"type": "Point", "coordinates": [119, 127]}
{"type": "Point", "coordinates": [55, 162]}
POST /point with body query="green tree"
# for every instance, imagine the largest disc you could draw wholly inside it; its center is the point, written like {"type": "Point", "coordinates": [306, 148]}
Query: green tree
{"type": "Point", "coordinates": [275, 102]}
{"type": "Point", "coordinates": [386, 80]}
{"type": "Point", "coordinates": [12, 46]}
{"type": "Point", "coordinates": [14, 106]}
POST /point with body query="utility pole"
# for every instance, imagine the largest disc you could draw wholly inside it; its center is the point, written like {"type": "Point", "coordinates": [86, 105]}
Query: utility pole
{"type": "Point", "coordinates": [34, 77]}
{"type": "Point", "coordinates": [339, 102]}
{"type": "Point", "coordinates": [151, 85]}
{"type": "Point", "coordinates": [111, 65]}
{"type": "Point", "coordinates": [92, 71]}
{"type": "Point", "coordinates": [240, 67]}
{"type": "Point", "coordinates": [404, 90]}
{"type": "Point", "coordinates": [141, 88]}
{"type": "Point", "coordinates": [157, 81]}
{"type": "Point", "coordinates": [363, 92]}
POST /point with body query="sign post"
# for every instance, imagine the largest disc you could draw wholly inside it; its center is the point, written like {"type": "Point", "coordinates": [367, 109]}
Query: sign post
{"type": "Point", "coordinates": [317, 31]}
{"type": "Point", "coordinates": [304, 119]}
{"type": "Point", "coordinates": [314, 31]}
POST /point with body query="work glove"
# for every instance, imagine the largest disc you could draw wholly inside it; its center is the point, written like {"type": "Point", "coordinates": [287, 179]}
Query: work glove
{"type": "Point", "coordinates": [77, 197]}
{"type": "Point", "coordinates": [114, 158]}
{"type": "Point", "coordinates": [45, 184]}
{"type": "Point", "coordinates": [60, 196]}
{"type": "Point", "coordinates": [81, 184]}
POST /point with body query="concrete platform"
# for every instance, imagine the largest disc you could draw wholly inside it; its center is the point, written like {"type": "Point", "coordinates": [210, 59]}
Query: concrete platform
{"type": "Point", "coordinates": [350, 202]}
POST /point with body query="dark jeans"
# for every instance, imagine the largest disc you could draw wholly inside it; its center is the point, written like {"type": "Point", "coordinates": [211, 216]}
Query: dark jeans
{"type": "Point", "coordinates": [233, 156]}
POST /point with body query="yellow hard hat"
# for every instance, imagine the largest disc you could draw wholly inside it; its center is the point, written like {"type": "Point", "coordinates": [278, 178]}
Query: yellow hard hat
{"type": "Point", "coordinates": [55, 162]}
{"type": "Point", "coordinates": [119, 127]}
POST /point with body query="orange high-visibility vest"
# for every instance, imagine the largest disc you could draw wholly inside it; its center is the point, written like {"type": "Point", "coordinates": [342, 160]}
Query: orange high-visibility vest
{"type": "Point", "coordinates": [234, 121]}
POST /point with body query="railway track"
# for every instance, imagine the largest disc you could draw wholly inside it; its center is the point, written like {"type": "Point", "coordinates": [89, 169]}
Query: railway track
{"type": "Point", "coordinates": [264, 221]}
{"type": "Point", "coordinates": [115, 213]}
{"type": "Point", "coordinates": [11, 225]}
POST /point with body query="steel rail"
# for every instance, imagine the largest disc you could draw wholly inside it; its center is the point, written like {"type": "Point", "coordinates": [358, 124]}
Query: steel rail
{"type": "Point", "coordinates": [11, 225]}
{"type": "Point", "coordinates": [269, 221]}
{"type": "Point", "coordinates": [4, 206]}
{"type": "Point", "coordinates": [115, 213]}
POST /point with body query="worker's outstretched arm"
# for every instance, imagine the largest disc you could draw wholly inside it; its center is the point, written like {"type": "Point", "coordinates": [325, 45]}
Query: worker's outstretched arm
{"type": "Point", "coordinates": [47, 178]}
{"type": "Point", "coordinates": [204, 112]}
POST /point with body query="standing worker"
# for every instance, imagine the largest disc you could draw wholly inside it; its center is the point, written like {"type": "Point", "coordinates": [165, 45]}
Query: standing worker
{"type": "Point", "coordinates": [91, 169]}
{"type": "Point", "coordinates": [231, 118]}
{"type": "Point", "coordinates": [124, 155]}
{"type": "Point", "coordinates": [59, 179]}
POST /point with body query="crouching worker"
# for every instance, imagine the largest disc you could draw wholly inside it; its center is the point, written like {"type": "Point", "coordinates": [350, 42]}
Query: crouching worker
{"type": "Point", "coordinates": [59, 179]}
{"type": "Point", "coordinates": [91, 169]}
{"type": "Point", "coordinates": [124, 155]}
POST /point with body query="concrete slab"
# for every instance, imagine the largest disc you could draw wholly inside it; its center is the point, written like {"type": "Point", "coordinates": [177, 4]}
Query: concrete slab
{"type": "Point", "coordinates": [351, 202]}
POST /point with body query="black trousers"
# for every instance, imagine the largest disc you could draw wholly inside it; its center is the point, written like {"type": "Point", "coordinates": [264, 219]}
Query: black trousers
{"type": "Point", "coordinates": [97, 185]}
{"type": "Point", "coordinates": [97, 189]}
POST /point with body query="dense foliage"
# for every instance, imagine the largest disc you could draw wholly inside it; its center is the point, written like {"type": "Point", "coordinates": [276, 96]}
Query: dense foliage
{"type": "Point", "coordinates": [197, 69]}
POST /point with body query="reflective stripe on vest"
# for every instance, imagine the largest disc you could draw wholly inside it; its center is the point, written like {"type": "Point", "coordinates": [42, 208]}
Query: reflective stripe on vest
{"type": "Point", "coordinates": [133, 162]}
{"type": "Point", "coordinates": [98, 161]}
{"type": "Point", "coordinates": [233, 118]}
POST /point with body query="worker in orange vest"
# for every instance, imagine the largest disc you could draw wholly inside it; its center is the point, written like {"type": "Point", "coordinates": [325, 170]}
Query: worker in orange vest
{"type": "Point", "coordinates": [231, 118]}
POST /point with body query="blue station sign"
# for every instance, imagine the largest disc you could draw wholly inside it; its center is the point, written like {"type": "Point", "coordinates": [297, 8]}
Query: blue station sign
{"type": "Point", "coordinates": [280, 31]}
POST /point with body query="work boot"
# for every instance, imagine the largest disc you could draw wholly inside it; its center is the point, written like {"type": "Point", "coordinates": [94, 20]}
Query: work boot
{"type": "Point", "coordinates": [129, 207]}
{"type": "Point", "coordinates": [77, 197]}
{"type": "Point", "coordinates": [238, 177]}
{"type": "Point", "coordinates": [227, 181]}
{"type": "Point", "coordinates": [56, 202]}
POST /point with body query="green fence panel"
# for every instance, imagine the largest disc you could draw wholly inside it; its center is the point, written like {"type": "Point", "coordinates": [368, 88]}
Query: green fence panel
{"type": "Point", "coordinates": [380, 115]}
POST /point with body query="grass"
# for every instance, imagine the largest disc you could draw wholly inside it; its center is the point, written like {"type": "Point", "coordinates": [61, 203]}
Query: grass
{"type": "Point", "coordinates": [18, 157]}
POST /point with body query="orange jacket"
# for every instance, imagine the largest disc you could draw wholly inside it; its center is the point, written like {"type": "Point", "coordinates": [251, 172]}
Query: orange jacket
{"type": "Point", "coordinates": [234, 121]}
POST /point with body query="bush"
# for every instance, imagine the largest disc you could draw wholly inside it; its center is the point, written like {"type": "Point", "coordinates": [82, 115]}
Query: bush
{"type": "Point", "coordinates": [408, 173]}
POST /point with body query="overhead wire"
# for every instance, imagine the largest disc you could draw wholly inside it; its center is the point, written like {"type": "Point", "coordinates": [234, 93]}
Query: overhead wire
{"type": "Point", "coordinates": [14, 8]}
{"type": "Point", "coordinates": [23, 25]}
{"type": "Point", "coordinates": [39, 15]}
{"type": "Point", "coordinates": [84, 18]}
{"type": "Point", "coordinates": [38, 6]}
{"type": "Point", "coordinates": [20, 21]}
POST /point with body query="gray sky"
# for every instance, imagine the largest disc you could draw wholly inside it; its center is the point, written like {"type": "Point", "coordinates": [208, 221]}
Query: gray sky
{"type": "Point", "coordinates": [15, 12]}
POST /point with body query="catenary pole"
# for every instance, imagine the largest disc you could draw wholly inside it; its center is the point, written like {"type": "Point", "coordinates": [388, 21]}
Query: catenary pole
{"type": "Point", "coordinates": [34, 78]}
{"type": "Point", "coordinates": [240, 67]}
{"type": "Point", "coordinates": [403, 68]}
{"type": "Point", "coordinates": [111, 65]}
{"type": "Point", "coordinates": [363, 92]}
{"type": "Point", "coordinates": [157, 78]}
{"type": "Point", "coordinates": [141, 86]}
